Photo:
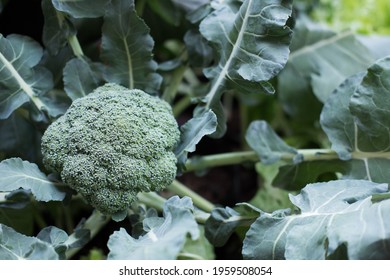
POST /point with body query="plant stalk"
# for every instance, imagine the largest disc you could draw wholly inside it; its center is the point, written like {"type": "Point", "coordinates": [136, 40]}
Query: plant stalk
{"type": "Point", "coordinates": [182, 190]}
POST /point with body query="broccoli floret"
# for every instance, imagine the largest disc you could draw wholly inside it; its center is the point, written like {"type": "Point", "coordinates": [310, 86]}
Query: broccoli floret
{"type": "Point", "coordinates": [112, 144]}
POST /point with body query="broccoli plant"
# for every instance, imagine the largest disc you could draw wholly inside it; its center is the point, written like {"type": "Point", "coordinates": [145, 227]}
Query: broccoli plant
{"type": "Point", "coordinates": [133, 129]}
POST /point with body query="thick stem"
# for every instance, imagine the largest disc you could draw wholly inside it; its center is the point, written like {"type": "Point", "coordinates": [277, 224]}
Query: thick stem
{"type": "Point", "coordinates": [152, 199]}
{"type": "Point", "coordinates": [205, 162]}
{"type": "Point", "coordinates": [75, 46]}
{"type": "Point", "coordinates": [200, 202]}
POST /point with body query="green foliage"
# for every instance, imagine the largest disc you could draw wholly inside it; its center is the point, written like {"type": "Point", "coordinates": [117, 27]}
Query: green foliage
{"type": "Point", "coordinates": [112, 144]}
{"type": "Point", "coordinates": [117, 100]}
{"type": "Point", "coordinates": [164, 236]}
{"type": "Point", "coordinates": [331, 214]}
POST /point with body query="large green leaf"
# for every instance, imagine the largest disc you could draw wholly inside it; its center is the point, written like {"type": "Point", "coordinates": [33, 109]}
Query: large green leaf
{"type": "Point", "coordinates": [82, 8]}
{"type": "Point", "coordinates": [356, 121]}
{"type": "Point", "coordinates": [21, 79]}
{"type": "Point", "coordinates": [320, 60]}
{"type": "Point", "coordinates": [126, 48]}
{"type": "Point", "coordinates": [16, 173]}
{"type": "Point", "coordinates": [251, 45]}
{"type": "Point", "coordinates": [333, 214]}
{"type": "Point", "coordinates": [16, 246]}
{"type": "Point", "coordinates": [165, 236]}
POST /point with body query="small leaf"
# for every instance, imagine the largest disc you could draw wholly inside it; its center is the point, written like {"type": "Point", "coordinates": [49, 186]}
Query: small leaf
{"type": "Point", "coordinates": [82, 8]}
{"type": "Point", "coordinates": [16, 246]}
{"type": "Point", "coordinates": [60, 240]}
{"type": "Point", "coordinates": [164, 239]}
{"type": "Point", "coordinates": [224, 221]}
{"type": "Point", "coordinates": [266, 143]}
{"type": "Point", "coordinates": [16, 173]}
{"type": "Point", "coordinates": [192, 132]}
{"type": "Point", "coordinates": [126, 49]}
{"type": "Point", "coordinates": [199, 249]}
{"type": "Point", "coordinates": [79, 78]}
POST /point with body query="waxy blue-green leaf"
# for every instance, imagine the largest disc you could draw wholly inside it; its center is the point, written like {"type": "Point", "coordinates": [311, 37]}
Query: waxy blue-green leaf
{"type": "Point", "coordinates": [267, 144]}
{"type": "Point", "coordinates": [16, 246]}
{"type": "Point", "coordinates": [56, 29]}
{"type": "Point", "coordinates": [16, 173]}
{"type": "Point", "coordinates": [199, 249]}
{"type": "Point", "coordinates": [22, 80]}
{"type": "Point", "coordinates": [224, 221]}
{"type": "Point", "coordinates": [19, 137]}
{"type": "Point", "coordinates": [79, 78]}
{"type": "Point", "coordinates": [338, 213]}
{"type": "Point", "coordinates": [192, 132]}
{"type": "Point", "coordinates": [356, 121]}
{"type": "Point", "coordinates": [61, 241]}
{"type": "Point", "coordinates": [126, 49]}
{"type": "Point", "coordinates": [165, 236]}
{"type": "Point", "coordinates": [251, 46]}
{"type": "Point", "coordinates": [82, 8]}
{"type": "Point", "coordinates": [319, 61]}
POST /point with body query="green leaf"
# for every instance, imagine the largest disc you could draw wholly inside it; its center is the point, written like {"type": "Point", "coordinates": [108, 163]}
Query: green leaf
{"type": "Point", "coordinates": [251, 46]}
{"type": "Point", "coordinates": [199, 249]}
{"type": "Point", "coordinates": [21, 79]}
{"type": "Point", "coordinates": [79, 78]}
{"type": "Point", "coordinates": [165, 236]}
{"type": "Point", "coordinates": [335, 213]}
{"type": "Point", "coordinates": [267, 144]}
{"type": "Point", "coordinates": [294, 177]}
{"type": "Point", "coordinates": [60, 240]}
{"type": "Point", "coordinates": [16, 246]}
{"type": "Point", "coordinates": [82, 8]}
{"type": "Point", "coordinates": [269, 197]}
{"type": "Point", "coordinates": [19, 137]}
{"type": "Point", "coordinates": [126, 49]}
{"type": "Point", "coordinates": [192, 132]}
{"type": "Point", "coordinates": [200, 53]}
{"type": "Point", "coordinates": [56, 29]}
{"type": "Point", "coordinates": [224, 221]}
{"type": "Point", "coordinates": [318, 65]}
{"type": "Point", "coordinates": [16, 173]}
{"type": "Point", "coordinates": [166, 10]}
{"type": "Point", "coordinates": [356, 121]}
{"type": "Point", "coordinates": [17, 212]}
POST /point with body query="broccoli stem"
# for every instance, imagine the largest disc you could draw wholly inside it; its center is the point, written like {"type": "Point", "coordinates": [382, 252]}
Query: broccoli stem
{"type": "Point", "coordinates": [204, 162]}
{"type": "Point", "coordinates": [152, 199]}
{"type": "Point", "coordinates": [182, 190]}
{"type": "Point", "coordinates": [171, 90]}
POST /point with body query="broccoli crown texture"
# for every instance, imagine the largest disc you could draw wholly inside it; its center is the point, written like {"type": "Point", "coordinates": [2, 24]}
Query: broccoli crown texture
{"type": "Point", "coordinates": [112, 144]}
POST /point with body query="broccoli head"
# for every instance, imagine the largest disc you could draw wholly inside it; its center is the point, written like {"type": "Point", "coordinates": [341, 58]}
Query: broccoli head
{"type": "Point", "coordinates": [112, 144]}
